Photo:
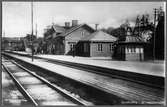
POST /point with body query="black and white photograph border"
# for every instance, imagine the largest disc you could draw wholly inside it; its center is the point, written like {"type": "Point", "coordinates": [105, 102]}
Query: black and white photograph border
{"type": "Point", "coordinates": [87, 53]}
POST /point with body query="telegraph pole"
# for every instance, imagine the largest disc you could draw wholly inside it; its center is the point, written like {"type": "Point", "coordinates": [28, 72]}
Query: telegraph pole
{"type": "Point", "coordinates": [3, 40]}
{"type": "Point", "coordinates": [32, 47]}
{"type": "Point", "coordinates": [4, 34]}
{"type": "Point", "coordinates": [155, 13]}
{"type": "Point", "coordinates": [36, 31]}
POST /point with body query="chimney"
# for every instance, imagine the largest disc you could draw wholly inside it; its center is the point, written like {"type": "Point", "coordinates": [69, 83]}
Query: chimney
{"type": "Point", "coordinates": [74, 22]}
{"type": "Point", "coordinates": [67, 24]}
{"type": "Point", "coordinates": [96, 25]}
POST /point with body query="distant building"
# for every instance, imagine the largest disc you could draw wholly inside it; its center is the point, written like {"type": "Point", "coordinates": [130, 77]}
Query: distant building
{"type": "Point", "coordinates": [96, 44]}
{"type": "Point", "coordinates": [13, 44]}
{"type": "Point", "coordinates": [37, 44]}
{"type": "Point", "coordinates": [50, 35]}
{"type": "Point", "coordinates": [132, 49]}
{"type": "Point", "coordinates": [28, 42]}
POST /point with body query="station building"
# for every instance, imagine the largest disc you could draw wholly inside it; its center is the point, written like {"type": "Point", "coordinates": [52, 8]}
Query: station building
{"type": "Point", "coordinates": [80, 40]}
{"type": "Point", "coordinates": [68, 41]}
{"type": "Point", "coordinates": [61, 40]}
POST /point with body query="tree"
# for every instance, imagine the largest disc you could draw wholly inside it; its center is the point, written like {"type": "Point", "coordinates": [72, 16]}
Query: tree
{"type": "Point", "coordinates": [121, 31]}
{"type": "Point", "coordinates": [109, 30]}
{"type": "Point", "coordinates": [125, 25]}
{"type": "Point", "coordinates": [159, 36]}
{"type": "Point", "coordinates": [30, 38]}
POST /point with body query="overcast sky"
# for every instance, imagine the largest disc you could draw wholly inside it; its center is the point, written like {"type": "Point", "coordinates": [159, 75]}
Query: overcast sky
{"type": "Point", "coordinates": [16, 16]}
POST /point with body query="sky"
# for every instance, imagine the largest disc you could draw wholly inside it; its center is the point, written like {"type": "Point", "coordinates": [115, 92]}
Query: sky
{"type": "Point", "coordinates": [16, 16]}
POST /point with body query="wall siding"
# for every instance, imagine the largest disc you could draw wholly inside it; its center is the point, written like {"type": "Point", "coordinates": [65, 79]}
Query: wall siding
{"type": "Point", "coordinates": [59, 46]}
{"type": "Point", "coordinates": [67, 47]}
{"type": "Point", "coordinates": [75, 37]}
{"type": "Point", "coordinates": [105, 50]}
{"type": "Point", "coordinates": [134, 57]}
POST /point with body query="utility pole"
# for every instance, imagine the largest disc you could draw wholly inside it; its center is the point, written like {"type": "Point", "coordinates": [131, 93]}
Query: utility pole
{"type": "Point", "coordinates": [32, 47]}
{"type": "Point", "coordinates": [36, 31]}
{"type": "Point", "coordinates": [155, 14]}
{"type": "Point", "coordinates": [3, 39]}
{"type": "Point", "coordinates": [52, 21]}
{"type": "Point", "coordinates": [4, 34]}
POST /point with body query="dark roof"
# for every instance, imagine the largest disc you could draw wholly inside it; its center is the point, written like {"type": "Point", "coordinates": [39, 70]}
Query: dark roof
{"type": "Point", "coordinates": [72, 29]}
{"type": "Point", "coordinates": [100, 36]}
{"type": "Point", "coordinates": [38, 40]}
{"type": "Point", "coordinates": [133, 39]}
{"type": "Point", "coordinates": [58, 29]}
{"type": "Point", "coordinates": [12, 39]}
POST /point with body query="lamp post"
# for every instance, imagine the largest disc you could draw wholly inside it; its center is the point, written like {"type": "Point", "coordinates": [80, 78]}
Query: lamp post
{"type": "Point", "coordinates": [32, 31]}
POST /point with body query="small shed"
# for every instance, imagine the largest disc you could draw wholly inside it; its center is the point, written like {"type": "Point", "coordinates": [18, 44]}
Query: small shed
{"type": "Point", "coordinates": [132, 49]}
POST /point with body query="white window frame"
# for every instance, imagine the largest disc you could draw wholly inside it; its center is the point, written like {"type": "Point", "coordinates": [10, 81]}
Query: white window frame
{"type": "Point", "coordinates": [111, 47]}
{"type": "Point", "coordinates": [83, 33]}
{"type": "Point", "coordinates": [134, 49]}
{"type": "Point", "coordinates": [71, 47]}
{"type": "Point", "coordinates": [100, 47]}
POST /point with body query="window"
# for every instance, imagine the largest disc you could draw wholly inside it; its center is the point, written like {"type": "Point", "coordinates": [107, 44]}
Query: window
{"type": "Point", "coordinates": [127, 49]}
{"type": "Point", "coordinates": [111, 47]}
{"type": "Point", "coordinates": [133, 49]}
{"type": "Point", "coordinates": [99, 48]}
{"type": "Point", "coordinates": [137, 50]}
{"type": "Point", "coordinates": [71, 47]}
{"type": "Point", "coordinates": [82, 33]}
{"type": "Point", "coordinates": [140, 50]}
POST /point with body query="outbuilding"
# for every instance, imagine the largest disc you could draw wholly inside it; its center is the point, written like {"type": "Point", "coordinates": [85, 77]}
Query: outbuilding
{"type": "Point", "coordinates": [132, 49]}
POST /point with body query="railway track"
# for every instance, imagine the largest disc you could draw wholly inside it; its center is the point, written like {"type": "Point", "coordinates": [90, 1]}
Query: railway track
{"type": "Point", "coordinates": [11, 94]}
{"type": "Point", "coordinates": [156, 82]}
{"type": "Point", "coordinates": [106, 72]}
{"type": "Point", "coordinates": [138, 92]}
{"type": "Point", "coordinates": [36, 89]}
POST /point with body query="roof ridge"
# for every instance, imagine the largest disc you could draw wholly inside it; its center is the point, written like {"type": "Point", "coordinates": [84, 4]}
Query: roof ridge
{"type": "Point", "coordinates": [102, 34]}
{"type": "Point", "coordinates": [72, 29]}
{"type": "Point", "coordinates": [131, 38]}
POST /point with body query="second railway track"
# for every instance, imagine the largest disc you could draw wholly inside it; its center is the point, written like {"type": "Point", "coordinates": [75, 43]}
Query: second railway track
{"type": "Point", "coordinates": [38, 90]}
